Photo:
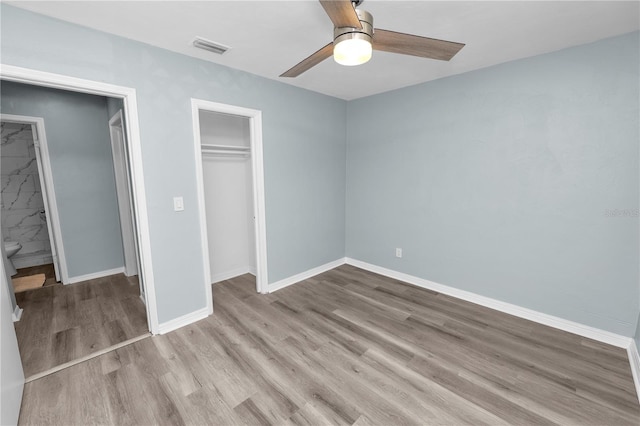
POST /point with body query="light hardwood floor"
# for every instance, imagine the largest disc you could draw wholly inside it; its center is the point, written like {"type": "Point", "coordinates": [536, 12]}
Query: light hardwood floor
{"type": "Point", "coordinates": [346, 347]}
{"type": "Point", "coordinates": [61, 323]}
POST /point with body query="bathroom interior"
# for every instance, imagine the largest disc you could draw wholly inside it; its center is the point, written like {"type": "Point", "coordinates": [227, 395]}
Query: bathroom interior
{"type": "Point", "coordinates": [83, 269]}
{"type": "Point", "coordinates": [24, 221]}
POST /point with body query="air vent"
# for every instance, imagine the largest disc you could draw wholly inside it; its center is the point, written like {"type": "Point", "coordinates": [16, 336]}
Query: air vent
{"type": "Point", "coordinates": [205, 44]}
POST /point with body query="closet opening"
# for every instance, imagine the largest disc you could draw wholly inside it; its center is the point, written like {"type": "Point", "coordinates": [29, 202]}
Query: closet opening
{"type": "Point", "coordinates": [228, 147]}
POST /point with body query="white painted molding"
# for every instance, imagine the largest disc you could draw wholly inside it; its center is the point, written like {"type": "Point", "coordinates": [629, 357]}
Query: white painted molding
{"type": "Point", "coordinates": [184, 320]}
{"type": "Point", "coordinates": [518, 311]}
{"type": "Point", "coordinates": [123, 192]}
{"type": "Point", "coordinates": [94, 275]}
{"type": "Point", "coordinates": [305, 275]}
{"type": "Point", "coordinates": [634, 360]}
{"type": "Point", "coordinates": [17, 313]}
{"type": "Point", "coordinates": [255, 122]}
{"type": "Point", "coordinates": [134, 147]}
{"type": "Point", "coordinates": [232, 274]}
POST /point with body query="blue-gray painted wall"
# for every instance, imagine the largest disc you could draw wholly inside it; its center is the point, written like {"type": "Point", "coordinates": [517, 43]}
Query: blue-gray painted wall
{"type": "Point", "coordinates": [77, 131]}
{"type": "Point", "coordinates": [518, 182]}
{"type": "Point", "coordinates": [113, 106]}
{"type": "Point", "coordinates": [636, 337]}
{"type": "Point", "coordinates": [304, 147]}
{"type": "Point", "coordinates": [495, 181]}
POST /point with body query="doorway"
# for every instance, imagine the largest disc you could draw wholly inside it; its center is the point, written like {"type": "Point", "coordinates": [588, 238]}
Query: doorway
{"type": "Point", "coordinates": [74, 333]}
{"type": "Point", "coordinates": [125, 198]}
{"type": "Point", "coordinates": [134, 151]}
{"type": "Point", "coordinates": [242, 152]}
{"type": "Point", "coordinates": [30, 213]}
{"type": "Point", "coordinates": [96, 307]}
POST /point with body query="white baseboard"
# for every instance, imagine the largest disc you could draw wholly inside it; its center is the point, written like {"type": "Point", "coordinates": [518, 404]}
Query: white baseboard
{"type": "Point", "coordinates": [17, 314]}
{"type": "Point", "coordinates": [305, 275]}
{"type": "Point", "coordinates": [634, 360]}
{"type": "Point", "coordinates": [187, 319]}
{"type": "Point", "coordinates": [232, 274]}
{"type": "Point", "coordinates": [94, 275]}
{"type": "Point", "coordinates": [515, 310]}
{"type": "Point", "coordinates": [29, 260]}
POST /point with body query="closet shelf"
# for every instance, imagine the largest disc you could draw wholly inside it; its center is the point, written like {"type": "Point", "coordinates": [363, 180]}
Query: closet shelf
{"type": "Point", "coordinates": [226, 150]}
{"type": "Point", "coordinates": [230, 148]}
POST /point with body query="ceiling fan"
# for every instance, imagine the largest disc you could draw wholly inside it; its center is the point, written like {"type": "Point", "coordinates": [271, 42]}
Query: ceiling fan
{"type": "Point", "coordinates": [354, 38]}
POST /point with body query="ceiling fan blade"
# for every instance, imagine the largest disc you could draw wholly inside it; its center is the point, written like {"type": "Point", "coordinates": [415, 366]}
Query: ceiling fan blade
{"type": "Point", "coordinates": [310, 62]}
{"type": "Point", "coordinates": [409, 44]}
{"type": "Point", "coordinates": [341, 13]}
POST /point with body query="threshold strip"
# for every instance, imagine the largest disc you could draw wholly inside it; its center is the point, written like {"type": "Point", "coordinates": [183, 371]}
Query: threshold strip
{"type": "Point", "coordinates": [85, 358]}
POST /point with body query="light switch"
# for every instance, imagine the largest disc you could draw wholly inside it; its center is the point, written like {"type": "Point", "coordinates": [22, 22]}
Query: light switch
{"type": "Point", "coordinates": [178, 204]}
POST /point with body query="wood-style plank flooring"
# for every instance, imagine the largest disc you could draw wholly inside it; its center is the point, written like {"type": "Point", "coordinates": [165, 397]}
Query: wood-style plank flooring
{"type": "Point", "coordinates": [61, 323]}
{"type": "Point", "coordinates": [345, 347]}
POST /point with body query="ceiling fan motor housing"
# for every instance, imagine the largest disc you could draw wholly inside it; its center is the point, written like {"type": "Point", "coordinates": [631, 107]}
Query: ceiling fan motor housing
{"type": "Point", "coordinates": [364, 33]}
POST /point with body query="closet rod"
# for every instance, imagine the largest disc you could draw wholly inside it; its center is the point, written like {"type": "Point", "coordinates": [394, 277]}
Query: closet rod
{"type": "Point", "coordinates": [222, 153]}
{"type": "Point", "coordinates": [227, 148]}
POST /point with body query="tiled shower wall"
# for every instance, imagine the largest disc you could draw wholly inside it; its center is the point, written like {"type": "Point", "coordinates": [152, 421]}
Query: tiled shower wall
{"type": "Point", "coordinates": [23, 217]}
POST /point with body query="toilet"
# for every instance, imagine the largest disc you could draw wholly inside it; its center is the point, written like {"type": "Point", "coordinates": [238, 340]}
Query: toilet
{"type": "Point", "coordinates": [11, 248]}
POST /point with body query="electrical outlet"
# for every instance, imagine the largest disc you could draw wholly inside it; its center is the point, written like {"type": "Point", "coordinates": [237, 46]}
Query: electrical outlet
{"type": "Point", "coordinates": [398, 252]}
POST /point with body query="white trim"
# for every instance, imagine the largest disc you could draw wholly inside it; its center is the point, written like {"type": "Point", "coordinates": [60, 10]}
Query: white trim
{"type": "Point", "coordinates": [259, 206]}
{"type": "Point", "coordinates": [17, 313]}
{"type": "Point", "coordinates": [47, 188]}
{"type": "Point", "coordinates": [305, 275]}
{"type": "Point", "coordinates": [94, 275]}
{"type": "Point", "coordinates": [134, 147]}
{"type": "Point", "coordinates": [255, 123]}
{"type": "Point", "coordinates": [184, 320]}
{"type": "Point", "coordinates": [123, 191]}
{"type": "Point", "coordinates": [518, 311]}
{"type": "Point", "coordinates": [232, 274]}
{"type": "Point", "coordinates": [28, 260]}
{"type": "Point", "coordinates": [634, 361]}
{"type": "Point", "coordinates": [204, 241]}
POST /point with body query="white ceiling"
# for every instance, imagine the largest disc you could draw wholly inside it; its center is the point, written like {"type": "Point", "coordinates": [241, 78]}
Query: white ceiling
{"type": "Point", "coordinates": [269, 37]}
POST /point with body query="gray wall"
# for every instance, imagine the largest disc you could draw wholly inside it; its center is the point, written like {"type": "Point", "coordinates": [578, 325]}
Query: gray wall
{"type": "Point", "coordinates": [113, 106]}
{"type": "Point", "coordinates": [636, 338]}
{"type": "Point", "coordinates": [496, 181]}
{"type": "Point", "coordinates": [505, 181]}
{"type": "Point", "coordinates": [77, 130]}
{"type": "Point", "coordinates": [304, 147]}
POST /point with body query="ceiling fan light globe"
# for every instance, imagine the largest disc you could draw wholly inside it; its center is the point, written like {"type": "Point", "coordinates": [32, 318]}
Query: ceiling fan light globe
{"type": "Point", "coordinates": [352, 51]}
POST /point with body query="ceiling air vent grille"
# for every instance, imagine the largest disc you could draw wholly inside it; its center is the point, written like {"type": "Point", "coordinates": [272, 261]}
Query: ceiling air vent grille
{"type": "Point", "coordinates": [205, 44]}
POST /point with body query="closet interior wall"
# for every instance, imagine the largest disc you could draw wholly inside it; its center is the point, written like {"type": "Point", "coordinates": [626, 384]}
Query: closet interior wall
{"type": "Point", "coordinates": [228, 190]}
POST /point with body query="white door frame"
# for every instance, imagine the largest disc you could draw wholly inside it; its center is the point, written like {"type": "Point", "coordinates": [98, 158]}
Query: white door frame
{"type": "Point", "coordinates": [48, 191]}
{"type": "Point", "coordinates": [257, 168]}
{"type": "Point", "coordinates": [123, 191]}
{"type": "Point", "coordinates": [134, 150]}
{"type": "Point", "coordinates": [12, 380]}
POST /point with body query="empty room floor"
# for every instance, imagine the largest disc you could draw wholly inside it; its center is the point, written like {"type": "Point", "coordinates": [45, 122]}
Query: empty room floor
{"type": "Point", "coordinates": [345, 347]}
{"type": "Point", "coordinates": [62, 323]}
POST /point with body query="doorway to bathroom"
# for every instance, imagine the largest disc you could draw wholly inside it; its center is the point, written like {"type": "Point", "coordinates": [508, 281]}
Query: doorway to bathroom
{"type": "Point", "coordinates": [228, 148]}
{"type": "Point", "coordinates": [103, 306]}
{"type": "Point", "coordinates": [29, 215]}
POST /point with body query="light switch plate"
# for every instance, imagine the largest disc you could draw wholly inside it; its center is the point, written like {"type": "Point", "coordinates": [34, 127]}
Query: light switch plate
{"type": "Point", "coordinates": [178, 204]}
